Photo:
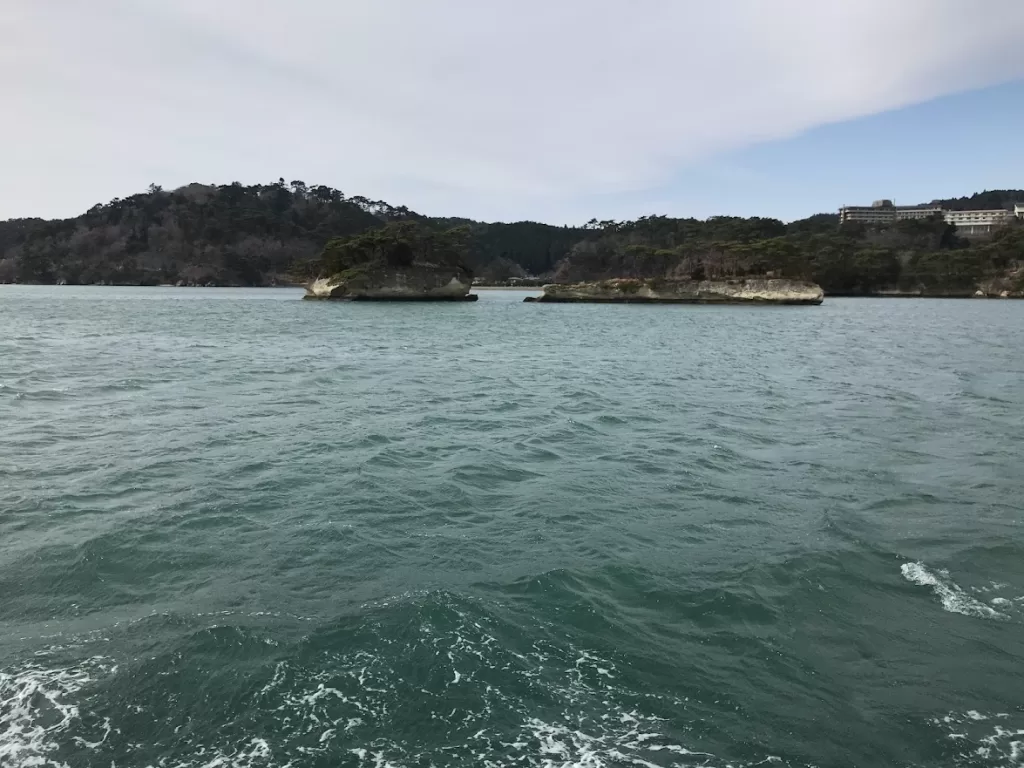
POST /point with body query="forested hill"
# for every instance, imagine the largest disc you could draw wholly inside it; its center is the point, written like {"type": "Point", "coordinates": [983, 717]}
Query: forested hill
{"type": "Point", "coordinates": [239, 235]}
{"type": "Point", "coordinates": [924, 257]}
{"type": "Point", "coordinates": [984, 201]}
{"type": "Point", "coordinates": [275, 233]}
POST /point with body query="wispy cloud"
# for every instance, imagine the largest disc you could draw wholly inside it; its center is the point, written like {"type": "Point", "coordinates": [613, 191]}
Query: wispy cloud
{"type": "Point", "coordinates": [495, 109]}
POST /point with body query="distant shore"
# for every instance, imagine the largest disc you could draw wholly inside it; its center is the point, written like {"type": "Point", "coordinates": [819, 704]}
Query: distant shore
{"type": "Point", "coordinates": [963, 294]}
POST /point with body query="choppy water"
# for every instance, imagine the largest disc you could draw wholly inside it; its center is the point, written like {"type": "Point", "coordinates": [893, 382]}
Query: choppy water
{"type": "Point", "coordinates": [242, 531]}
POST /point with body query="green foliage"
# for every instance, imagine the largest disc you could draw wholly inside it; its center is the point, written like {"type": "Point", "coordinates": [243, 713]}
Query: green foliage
{"type": "Point", "coordinates": [989, 200]}
{"type": "Point", "coordinates": [395, 245]}
{"type": "Point", "coordinates": [231, 234]}
{"type": "Point", "coordinates": [15, 231]}
{"type": "Point", "coordinates": [849, 267]}
{"type": "Point", "coordinates": [818, 224]}
{"type": "Point", "coordinates": [256, 235]}
{"type": "Point", "coordinates": [921, 234]}
{"type": "Point", "coordinates": [500, 271]}
{"type": "Point", "coordinates": [914, 255]}
{"type": "Point", "coordinates": [537, 248]}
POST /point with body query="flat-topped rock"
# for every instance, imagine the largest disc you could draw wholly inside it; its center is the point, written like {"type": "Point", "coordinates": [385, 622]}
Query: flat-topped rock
{"type": "Point", "coordinates": [750, 290]}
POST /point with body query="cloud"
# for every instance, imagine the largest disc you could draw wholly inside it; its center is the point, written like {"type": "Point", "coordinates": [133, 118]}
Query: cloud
{"type": "Point", "coordinates": [495, 109]}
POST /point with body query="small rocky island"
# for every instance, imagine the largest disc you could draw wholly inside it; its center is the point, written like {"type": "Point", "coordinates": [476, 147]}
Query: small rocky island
{"type": "Point", "coordinates": [403, 261]}
{"type": "Point", "coordinates": [617, 267]}
{"type": "Point", "coordinates": [744, 290]}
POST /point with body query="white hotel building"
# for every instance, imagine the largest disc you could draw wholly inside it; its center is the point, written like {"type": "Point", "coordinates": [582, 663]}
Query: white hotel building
{"type": "Point", "coordinates": [968, 222]}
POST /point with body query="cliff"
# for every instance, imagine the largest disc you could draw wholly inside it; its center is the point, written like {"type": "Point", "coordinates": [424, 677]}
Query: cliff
{"type": "Point", "coordinates": [728, 291]}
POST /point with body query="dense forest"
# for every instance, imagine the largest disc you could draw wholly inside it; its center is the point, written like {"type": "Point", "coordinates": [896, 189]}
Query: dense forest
{"type": "Point", "coordinates": [241, 235]}
{"type": "Point", "coordinates": [396, 245]}
{"type": "Point", "coordinates": [912, 256]}
{"type": "Point", "coordinates": [983, 201]}
{"type": "Point", "coordinates": [277, 233]}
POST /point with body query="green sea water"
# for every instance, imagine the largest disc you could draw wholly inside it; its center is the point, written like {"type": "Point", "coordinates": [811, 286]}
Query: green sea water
{"type": "Point", "coordinates": [238, 530]}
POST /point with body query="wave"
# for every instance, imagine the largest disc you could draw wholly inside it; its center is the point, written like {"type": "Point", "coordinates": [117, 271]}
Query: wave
{"type": "Point", "coordinates": [953, 598]}
{"type": "Point", "coordinates": [38, 709]}
{"type": "Point", "coordinates": [53, 393]}
{"type": "Point", "coordinates": [424, 678]}
{"type": "Point", "coordinates": [984, 738]}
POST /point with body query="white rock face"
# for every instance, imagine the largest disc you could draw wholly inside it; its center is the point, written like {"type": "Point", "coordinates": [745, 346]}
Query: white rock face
{"type": "Point", "coordinates": [413, 284]}
{"type": "Point", "coordinates": [323, 288]}
{"type": "Point", "coordinates": [737, 291]}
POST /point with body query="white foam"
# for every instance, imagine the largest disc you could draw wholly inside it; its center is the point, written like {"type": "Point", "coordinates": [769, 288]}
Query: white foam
{"type": "Point", "coordinates": [37, 708]}
{"type": "Point", "coordinates": [255, 754]}
{"type": "Point", "coordinates": [952, 597]}
{"type": "Point", "coordinates": [342, 708]}
{"type": "Point", "coordinates": [379, 761]}
{"type": "Point", "coordinates": [322, 692]}
{"type": "Point", "coordinates": [40, 711]}
{"type": "Point", "coordinates": [574, 748]}
{"type": "Point", "coordinates": [977, 738]}
{"type": "Point", "coordinates": [276, 680]}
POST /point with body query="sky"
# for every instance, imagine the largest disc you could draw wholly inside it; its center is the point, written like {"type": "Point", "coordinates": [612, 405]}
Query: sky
{"type": "Point", "coordinates": [550, 110]}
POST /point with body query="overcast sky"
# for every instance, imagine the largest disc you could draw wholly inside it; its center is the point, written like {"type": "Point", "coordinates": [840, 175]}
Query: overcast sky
{"type": "Point", "coordinates": [555, 110]}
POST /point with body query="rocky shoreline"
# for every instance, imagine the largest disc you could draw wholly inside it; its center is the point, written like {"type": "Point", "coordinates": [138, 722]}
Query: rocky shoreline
{"type": "Point", "coordinates": [658, 291]}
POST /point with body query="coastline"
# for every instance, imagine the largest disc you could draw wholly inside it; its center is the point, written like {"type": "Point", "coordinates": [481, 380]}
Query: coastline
{"type": "Point", "coordinates": [958, 295]}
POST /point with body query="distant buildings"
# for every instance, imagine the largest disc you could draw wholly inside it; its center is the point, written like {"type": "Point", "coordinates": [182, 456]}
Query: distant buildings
{"type": "Point", "coordinates": [967, 222]}
{"type": "Point", "coordinates": [884, 212]}
{"type": "Point", "coordinates": [979, 222]}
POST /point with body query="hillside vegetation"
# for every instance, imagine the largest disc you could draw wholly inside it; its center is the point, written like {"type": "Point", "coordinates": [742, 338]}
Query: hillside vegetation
{"type": "Point", "coordinates": [926, 257]}
{"type": "Point", "coordinates": [989, 200]}
{"type": "Point", "coordinates": [289, 232]}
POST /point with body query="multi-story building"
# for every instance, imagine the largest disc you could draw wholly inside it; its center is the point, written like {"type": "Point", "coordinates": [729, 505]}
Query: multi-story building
{"type": "Point", "coordinates": [978, 222]}
{"type": "Point", "coordinates": [884, 212]}
{"type": "Point", "coordinates": [967, 222]}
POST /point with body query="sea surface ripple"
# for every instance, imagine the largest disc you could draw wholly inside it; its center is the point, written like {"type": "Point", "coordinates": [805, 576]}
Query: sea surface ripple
{"type": "Point", "coordinates": [238, 530]}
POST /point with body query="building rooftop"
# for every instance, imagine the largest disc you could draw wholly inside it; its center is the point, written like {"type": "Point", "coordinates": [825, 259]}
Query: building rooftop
{"type": "Point", "coordinates": [889, 205]}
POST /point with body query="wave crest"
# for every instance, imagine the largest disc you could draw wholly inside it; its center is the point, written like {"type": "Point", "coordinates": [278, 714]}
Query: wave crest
{"type": "Point", "coordinates": [952, 596]}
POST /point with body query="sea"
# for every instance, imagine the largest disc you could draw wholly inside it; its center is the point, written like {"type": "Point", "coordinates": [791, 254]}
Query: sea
{"type": "Point", "coordinates": [240, 530]}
